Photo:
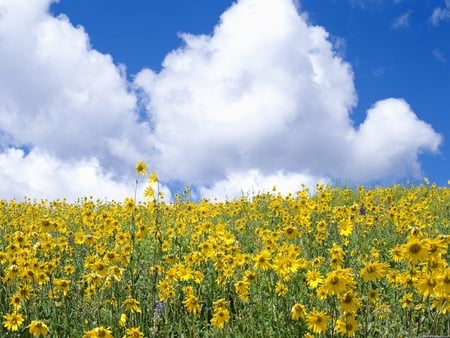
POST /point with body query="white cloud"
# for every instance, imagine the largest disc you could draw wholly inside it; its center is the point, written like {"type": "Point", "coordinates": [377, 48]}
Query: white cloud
{"type": "Point", "coordinates": [267, 91]}
{"type": "Point", "coordinates": [402, 21]}
{"type": "Point", "coordinates": [265, 100]}
{"type": "Point", "coordinates": [252, 182]}
{"type": "Point", "coordinates": [59, 94]}
{"type": "Point", "coordinates": [388, 142]}
{"type": "Point", "coordinates": [39, 175]}
{"type": "Point", "coordinates": [441, 14]}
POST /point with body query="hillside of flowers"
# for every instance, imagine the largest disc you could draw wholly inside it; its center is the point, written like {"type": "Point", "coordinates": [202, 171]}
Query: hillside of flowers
{"type": "Point", "coordinates": [337, 263]}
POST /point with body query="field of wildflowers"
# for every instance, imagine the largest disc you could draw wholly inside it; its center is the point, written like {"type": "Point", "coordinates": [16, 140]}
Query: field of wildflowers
{"type": "Point", "coordinates": [338, 263]}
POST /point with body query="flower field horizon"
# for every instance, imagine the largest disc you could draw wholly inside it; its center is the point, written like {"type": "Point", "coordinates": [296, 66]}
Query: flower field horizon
{"type": "Point", "coordinates": [337, 263]}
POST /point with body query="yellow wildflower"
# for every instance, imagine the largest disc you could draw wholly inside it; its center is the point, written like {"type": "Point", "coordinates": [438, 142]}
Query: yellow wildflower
{"type": "Point", "coordinates": [38, 328]}
{"type": "Point", "coordinates": [12, 321]}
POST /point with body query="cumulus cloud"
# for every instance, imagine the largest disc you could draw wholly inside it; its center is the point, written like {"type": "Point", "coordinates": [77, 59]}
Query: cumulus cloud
{"type": "Point", "coordinates": [251, 95]}
{"type": "Point", "coordinates": [39, 175]}
{"type": "Point", "coordinates": [266, 90]}
{"type": "Point", "coordinates": [440, 14]}
{"type": "Point", "coordinates": [388, 142]}
{"type": "Point", "coordinates": [59, 94]}
{"type": "Point", "coordinates": [264, 100]}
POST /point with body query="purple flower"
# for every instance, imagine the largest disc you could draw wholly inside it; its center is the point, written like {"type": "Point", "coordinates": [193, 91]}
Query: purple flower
{"type": "Point", "coordinates": [362, 210]}
{"type": "Point", "coordinates": [158, 309]}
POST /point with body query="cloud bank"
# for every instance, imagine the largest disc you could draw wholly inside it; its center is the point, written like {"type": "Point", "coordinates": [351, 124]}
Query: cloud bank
{"type": "Point", "coordinates": [64, 102]}
{"type": "Point", "coordinates": [267, 91]}
{"type": "Point", "coordinates": [264, 100]}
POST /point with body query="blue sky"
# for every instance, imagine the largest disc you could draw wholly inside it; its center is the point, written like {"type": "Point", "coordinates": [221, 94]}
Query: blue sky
{"type": "Point", "coordinates": [254, 94]}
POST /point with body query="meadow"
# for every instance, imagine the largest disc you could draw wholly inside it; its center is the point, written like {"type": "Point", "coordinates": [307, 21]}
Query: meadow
{"type": "Point", "coordinates": [337, 263]}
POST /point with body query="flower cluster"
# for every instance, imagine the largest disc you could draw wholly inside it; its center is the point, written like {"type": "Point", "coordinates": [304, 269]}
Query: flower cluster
{"type": "Point", "coordinates": [338, 263]}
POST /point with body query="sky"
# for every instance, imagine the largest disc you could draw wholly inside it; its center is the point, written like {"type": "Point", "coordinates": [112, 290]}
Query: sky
{"type": "Point", "coordinates": [230, 97]}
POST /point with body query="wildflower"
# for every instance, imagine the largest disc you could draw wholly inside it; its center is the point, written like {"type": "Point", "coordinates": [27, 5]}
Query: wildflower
{"type": "Point", "coordinates": [338, 281]}
{"type": "Point", "coordinates": [133, 333]}
{"type": "Point", "coordinates": [349, 302]}
{"type": "Point", "coordinates": [220, 303]}
{"type": "Point", "coordinates": [220, 317]}
{"type": "Point", "coordinates": [24, 291]}
{"type": "Point", "coordinates": [191, 304]}
{"type": "Point", "coordinates": [149, 192]}
{"type": "Point", "coordinates": [42, 278]}
{"type": "Point", "coordinates": [123, 320]}
{"type": "Point", "coordinates": [262, 260]}
{"type": "Point", "coordinates": [129, 205]}
{"type": "Point", "coordinates": [16, 301]}
{"type": "Point", "coordinates": [415, 250]}
{"type": "Point", "coordinates": [441, 304]}
{"type": "Point", "coordinates": [69, 269]}
{"type": "Point", "coordinates": [444, 282]}
{"type": "Point", "coordinates": [336, 256]}
{"type": "Point", "coordinates": [373, 271]}
{"type": "Point", "coordinates": [158, 308]}
{"type": "Point", "coordinates": [12, 321]}
{"type": "Point", "coordinates": [407, 301]}
{"type": "Point", "coordinates": [362, 210]}
{"type": "Point", "coordinates": [61, 285]}
{"type": "Point", "coordinates": [114, 273]}
{"type": "Point", "coordinates": [313, 278]}
{"type": "Point", "coordinates": [38, 328]}
{"type": "Point", "coordinates": [153, 178]}
{"type": "Point", "coordinates": [156, 317]}
{"type": "Point", "coordinates": [373, 295]}
{"type": "Point", "coordinates": [374, 253]}
{"type": "Point", "coordinates": [132, 305]}
{"type": "Point", "coordinates": [317, 321]}
{"type": "Point", "coordinates": [98, 332]}
{"type": "Point", "coordinates": [345, 228]}
{"type": "Point", "coordinates": [241, 288]}
{"type": "Point", "coordinates": [426, 284]}
{"type": "Point", "coordinates": [419, 308]}
{"type": "Point", "coordinates": [317, 262]}
{"type": "Point", "coordinates": [321, 226]}
{"type": "Point", "coordinates": [281, 289]}
{"type": "Point", "coordinates": [382, 311]}
{"type": "Point", "coordinates": [166, 289]}
{"type": "Point", "coordinates": [298, 311]}
{"type": "Point", "coordinates": [290, 231]}
{"type": "Point", "coordinates": [286, 263]}
{"type": "Point", "coordinates": [436, 247]}
{"type": "Point", "coordinates": [322, 294]}
{"type": "Point", "coordinates": [207, 249]}
{"type": "Point", "coordinates": [249, 276]}
{"type": "Point", "coordinates": [396, 254]}
{"type": "Point", "coordinates": [141, 168]}
{"type": "Point", "coordinates": [346, 327]}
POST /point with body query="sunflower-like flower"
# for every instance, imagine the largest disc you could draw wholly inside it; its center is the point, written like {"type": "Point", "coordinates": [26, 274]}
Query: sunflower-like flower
{"type": "Point", "coordinates": [317, 321]}
{"type": "Point", "coordinates": [415, 250]}
{"type": "Point", "coordinates": [12, 321]}
{"type": "Point", "coordinates": [141, 168]}
{"type": "Point", "coordinates": [298, 311]}
{"type": "Point", "coordinates": [373, 271]}
{"type": "Point", "coordinates": [38, 328]}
